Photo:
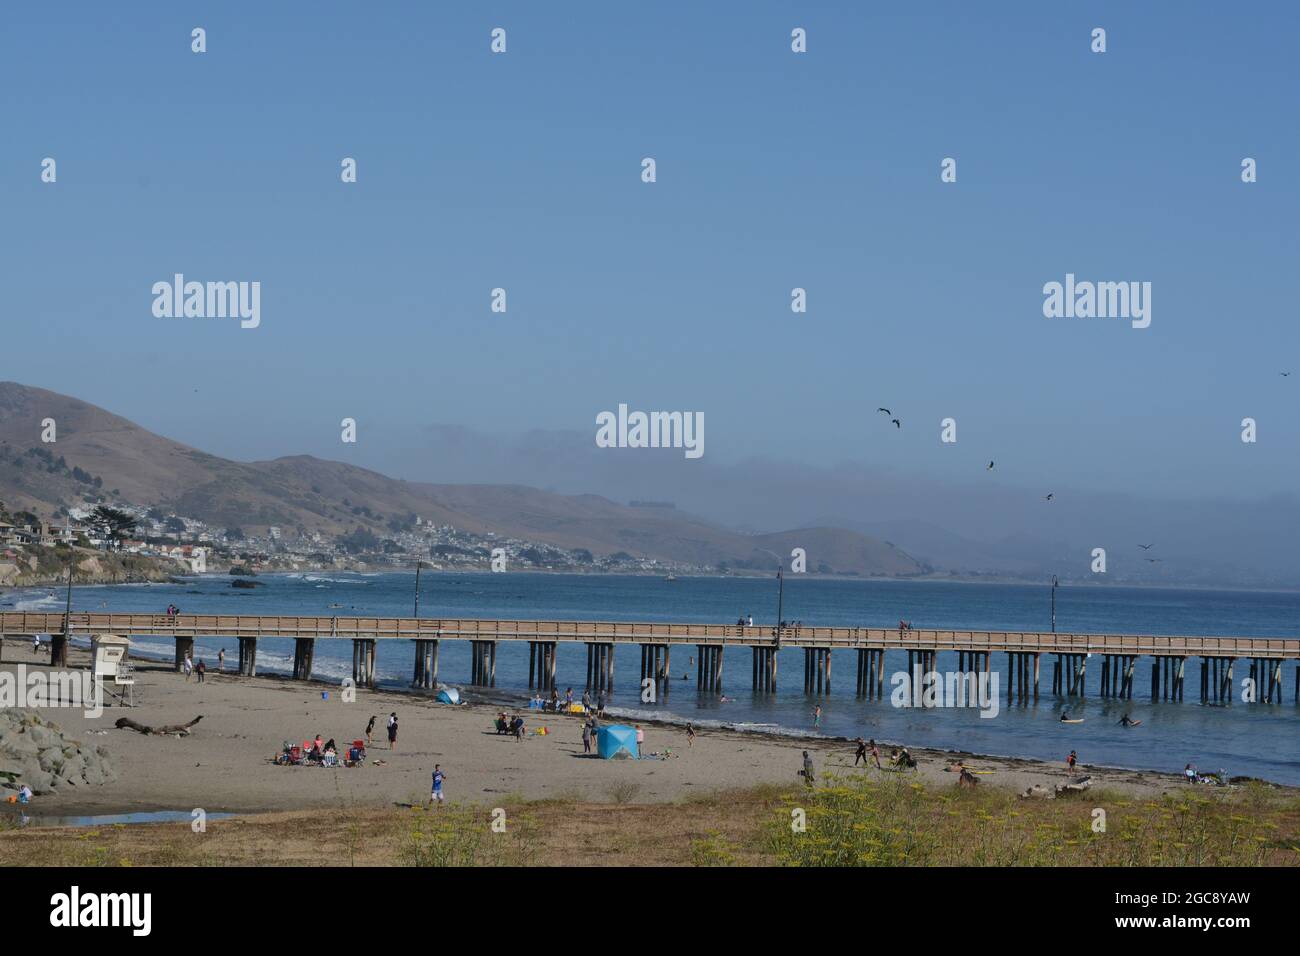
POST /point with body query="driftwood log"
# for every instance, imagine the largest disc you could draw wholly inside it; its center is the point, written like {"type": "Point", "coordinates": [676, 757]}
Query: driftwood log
{"type": "Point", "coordinates": [181, 730]}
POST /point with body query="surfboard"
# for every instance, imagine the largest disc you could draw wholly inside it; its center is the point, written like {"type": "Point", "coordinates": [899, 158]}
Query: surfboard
{"type": "Point", "coordinates": [1073, 720]}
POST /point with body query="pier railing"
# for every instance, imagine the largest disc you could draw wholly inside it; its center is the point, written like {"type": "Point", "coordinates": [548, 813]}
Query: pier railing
{"type": "Point", "coordinates": [26, 623]}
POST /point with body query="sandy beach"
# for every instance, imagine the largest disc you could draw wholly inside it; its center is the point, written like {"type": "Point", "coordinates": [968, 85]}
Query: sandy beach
{"type": "Point", "coordinates": [225, 764]}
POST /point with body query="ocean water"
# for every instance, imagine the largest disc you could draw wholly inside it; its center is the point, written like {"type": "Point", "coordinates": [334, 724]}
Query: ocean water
{"type": "Point", "coordinates": [1260, 740]}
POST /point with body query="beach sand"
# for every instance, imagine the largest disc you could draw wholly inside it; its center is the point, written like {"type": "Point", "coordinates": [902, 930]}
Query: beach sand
{"type": "Point", "coordinates": [225, 765]}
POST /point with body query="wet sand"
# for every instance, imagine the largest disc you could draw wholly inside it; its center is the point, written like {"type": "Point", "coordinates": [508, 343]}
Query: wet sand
{"type": "Point", "coordinates": [225, 764]}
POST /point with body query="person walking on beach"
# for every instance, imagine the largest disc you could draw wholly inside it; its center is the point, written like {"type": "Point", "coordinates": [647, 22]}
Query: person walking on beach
{"type": "Point", "coordinates": [221, 661]}
{"type": "Point", "coordinates": [1070, 762]}
{"type": "Point", "coordinates": [817, 715]}
{"type": "Point", "coordinates": [586, 737]}
{"type": "Point", "coordinates": [586, 701]}
{"type": "Point", "coordinates": [640, 740]}
{"type": "Point", "coordinates": [600, 703]}
{"type": "Point", "coordinates": [861, 753]}
{"type": "Point", "coordinates": [809, 777]}
{"type": "Point", "coordinates": [370, 731]}
{"type": "Point", "coordinates": [188, 668]}
{"type": "Point", "coordinates": [392, 731]}
{"type": "Point", "coordinates": [690, 735]}
{"type": "Point", "coordinates": [201, 668]}
{"type": "Point", "coordinates": [438, 777]}
{"type": "Point", "coordinates": [568, 698]}
{"type": "Point", "coordinates": [875, 752]}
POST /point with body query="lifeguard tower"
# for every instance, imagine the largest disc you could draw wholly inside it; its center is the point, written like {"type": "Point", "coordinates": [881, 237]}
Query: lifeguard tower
{"type": "Point", "coordinates": [111, 669]}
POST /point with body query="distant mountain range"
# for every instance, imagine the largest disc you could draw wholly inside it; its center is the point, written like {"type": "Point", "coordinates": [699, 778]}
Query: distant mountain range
{"type": "Point", "coordinates": [99, 453]}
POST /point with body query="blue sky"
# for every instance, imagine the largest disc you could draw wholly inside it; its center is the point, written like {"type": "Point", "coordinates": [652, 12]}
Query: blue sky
{"type": "Point", "coordinates": [775, 170]}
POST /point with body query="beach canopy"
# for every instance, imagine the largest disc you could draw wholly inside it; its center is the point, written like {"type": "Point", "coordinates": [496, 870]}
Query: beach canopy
{"type": "Point", "coordinates": [616, 742]}
{"type": "Point", "coordinates": [448, 695]}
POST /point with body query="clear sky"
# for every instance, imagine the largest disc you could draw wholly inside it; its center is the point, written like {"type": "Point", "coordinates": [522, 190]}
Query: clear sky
{"type": "Point", "coordinates": [775, 170]}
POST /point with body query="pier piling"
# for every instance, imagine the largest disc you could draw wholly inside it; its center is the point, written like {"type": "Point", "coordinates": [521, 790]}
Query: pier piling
{"type": "Point", "coordinates": [248, 657]}
{"type": "Point", "coordinates": [304, 650]}
{"type": "Point", "coordinates": [184, 649]}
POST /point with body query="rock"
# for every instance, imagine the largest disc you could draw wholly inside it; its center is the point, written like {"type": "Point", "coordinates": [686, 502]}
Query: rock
{"type": "Point", "coordinates": [51, 759]}
{"type": "Point", "coordinates": [39, 754]}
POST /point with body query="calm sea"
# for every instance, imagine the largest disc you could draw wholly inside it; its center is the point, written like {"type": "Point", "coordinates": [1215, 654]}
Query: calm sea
{"type": "Point", "coordinates": [1252, 739]}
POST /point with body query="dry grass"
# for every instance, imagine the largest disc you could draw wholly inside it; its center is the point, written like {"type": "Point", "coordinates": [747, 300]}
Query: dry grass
{"type": "Point", "coordinates": [857, 822]}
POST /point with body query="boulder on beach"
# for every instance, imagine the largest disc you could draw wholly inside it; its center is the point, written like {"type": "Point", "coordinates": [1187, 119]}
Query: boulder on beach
{"type": "Point", "coordinates": [36, 752]}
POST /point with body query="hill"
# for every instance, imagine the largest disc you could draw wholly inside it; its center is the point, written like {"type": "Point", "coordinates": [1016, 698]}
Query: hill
{"type": "Point", "coordinates": [100, 455]}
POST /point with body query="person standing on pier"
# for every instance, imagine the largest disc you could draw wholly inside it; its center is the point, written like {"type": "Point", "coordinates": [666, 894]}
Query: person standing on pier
{"type": "Point", "coordinates": [392, 731]}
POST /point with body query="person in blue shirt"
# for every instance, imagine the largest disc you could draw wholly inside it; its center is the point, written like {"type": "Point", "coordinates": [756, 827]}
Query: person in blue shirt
{"type": "Point", "coordinates": [438, 777]}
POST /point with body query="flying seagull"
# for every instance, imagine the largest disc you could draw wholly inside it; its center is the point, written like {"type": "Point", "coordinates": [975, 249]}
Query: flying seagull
{"type": "Point", "coordinates": [1049, 497]}
{"type": "Point", "coordinates": [1147, 547]}
{"type": "Point", "coordinates": [1153, 560]}
{"type": "Point", "coordinates": [1285, 374]}
{"type": "Point", "coordinates": [896, 422]}
{"type": "Point", "coordinates": [885, 410]}
{"type": "Point", "coordinates": [990, 468]}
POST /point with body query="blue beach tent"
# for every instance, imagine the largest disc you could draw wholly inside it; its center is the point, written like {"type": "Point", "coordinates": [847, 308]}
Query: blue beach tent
{"type": "Point", "coordinates": [616, 742]}
{"type": "Point", "coordinates": [448, 695]}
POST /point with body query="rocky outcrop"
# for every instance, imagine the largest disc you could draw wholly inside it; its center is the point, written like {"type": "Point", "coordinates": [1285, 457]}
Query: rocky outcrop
{"type": "Point", "coordinates": [38, 753]}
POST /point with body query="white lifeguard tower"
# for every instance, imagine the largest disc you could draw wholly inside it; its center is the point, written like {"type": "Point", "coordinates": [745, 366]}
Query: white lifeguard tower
{"type": "Point", "coordinates": [111, 667]}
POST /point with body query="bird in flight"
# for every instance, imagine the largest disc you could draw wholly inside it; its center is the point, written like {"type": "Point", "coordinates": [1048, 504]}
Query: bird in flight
{"type": "Point", "coordinates": [896, 422]}
{"type": "Point", "coordinates": [990, 467]}
{"type": "Point", "coordinates": [1147, 547]}
{"type": "Point", "coordinates": [1049, 497]}
{"type": "Point", "coordinates": [885, 410]}
{"type": "Point", "coordinates": [1285, 374]}
{"type": "Point", "coordinates": [1153, 560]}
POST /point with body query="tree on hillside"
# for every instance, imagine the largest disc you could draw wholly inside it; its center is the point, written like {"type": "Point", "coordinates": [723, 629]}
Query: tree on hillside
{"type": "Point", "coordinates": [113, 523]}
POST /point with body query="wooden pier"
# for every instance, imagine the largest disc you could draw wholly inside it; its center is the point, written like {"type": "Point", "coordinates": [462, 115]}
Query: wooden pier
{"type": "Point", "coordinates": [1117, 653]}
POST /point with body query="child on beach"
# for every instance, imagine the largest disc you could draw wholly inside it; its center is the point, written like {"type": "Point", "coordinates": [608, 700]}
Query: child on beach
{"type": "Point", "coordinates": [392, 731]}
{"type": "Point", "coordinates": [221, 661]}
{"type": "Point", "coordinates": [690, 735]}
{"type": "Point", "coordinates": [438, 777]}
{"type": "Point", "coordinates": [370, 731]}
{"type": "Point", "coordinates": [1070, 761]}
{"type": "Point", "coordinates": [640, 739]}
{"type": "Point", "coordinates": [201, 668]}
{"type": "Point", "coordinates": [586, 737]}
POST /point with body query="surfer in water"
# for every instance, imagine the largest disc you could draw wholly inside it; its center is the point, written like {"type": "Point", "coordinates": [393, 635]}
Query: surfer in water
{"type": "Point", "coordinates": [1127, 721]}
